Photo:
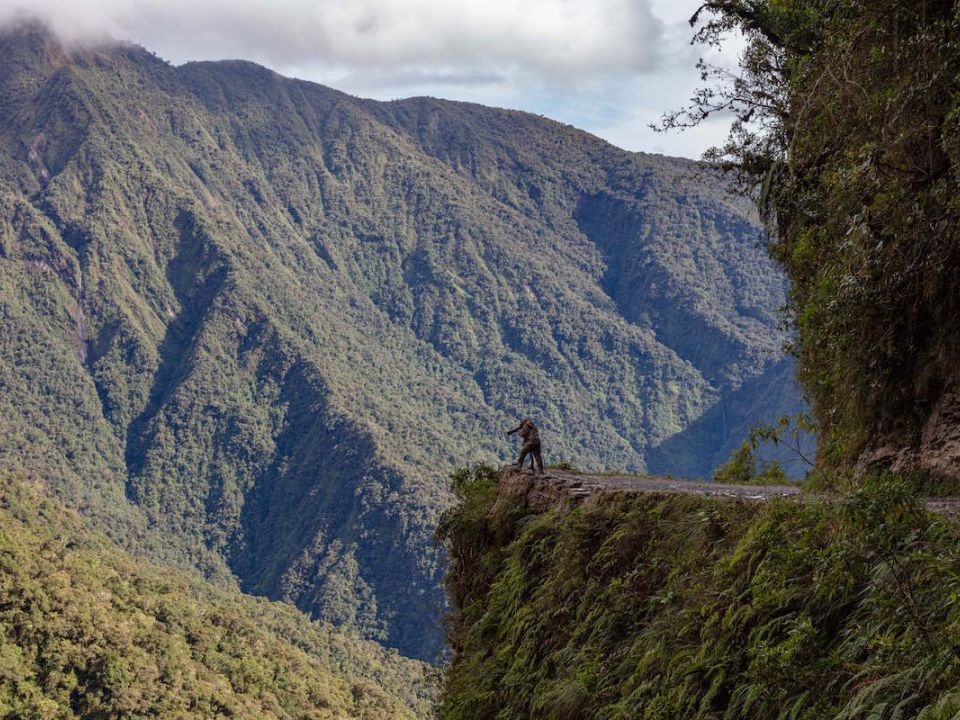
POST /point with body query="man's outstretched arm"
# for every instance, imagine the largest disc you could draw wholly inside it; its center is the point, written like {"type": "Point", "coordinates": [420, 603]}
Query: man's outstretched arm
{"type": "Point", "coordinates": [511, 432]}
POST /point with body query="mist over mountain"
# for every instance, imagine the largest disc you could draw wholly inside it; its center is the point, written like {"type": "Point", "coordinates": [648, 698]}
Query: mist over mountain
{"type": "Point", "coordinates": [249, 324]}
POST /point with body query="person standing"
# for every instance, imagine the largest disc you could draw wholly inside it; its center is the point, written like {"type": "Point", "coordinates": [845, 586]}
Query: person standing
{"type": "Point", "coordinates": [531, 444]}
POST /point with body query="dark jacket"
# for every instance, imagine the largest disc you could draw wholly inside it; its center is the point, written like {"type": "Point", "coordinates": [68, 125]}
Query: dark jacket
{"type": "Point", "coordinates": [528, 432]}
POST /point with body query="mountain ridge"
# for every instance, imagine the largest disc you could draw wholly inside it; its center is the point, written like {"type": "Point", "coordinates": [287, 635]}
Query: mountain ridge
{"type": "Point", "coordinates": [253, 320]}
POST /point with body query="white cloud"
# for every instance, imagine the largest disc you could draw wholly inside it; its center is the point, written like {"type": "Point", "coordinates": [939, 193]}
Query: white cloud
{"type": "Point", "coordinates": [634, 132]}
{"type": "Point", "coordinates": [608, 66]}
{"type": "Point", "coordinates": [551, 36]}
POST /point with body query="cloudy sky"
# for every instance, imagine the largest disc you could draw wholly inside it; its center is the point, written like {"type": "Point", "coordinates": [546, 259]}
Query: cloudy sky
{"type": "Point", "coordinates": [608, 66]}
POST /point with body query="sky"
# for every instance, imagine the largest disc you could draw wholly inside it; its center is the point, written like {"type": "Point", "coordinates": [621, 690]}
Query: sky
{"type": "Point", "coordinates": [610, 67]}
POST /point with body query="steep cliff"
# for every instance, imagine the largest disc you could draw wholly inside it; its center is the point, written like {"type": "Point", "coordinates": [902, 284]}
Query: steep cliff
{"type": "Point", "coordinates": [683, 606]}
{"type": "Point", "coordinates": [247, 323]}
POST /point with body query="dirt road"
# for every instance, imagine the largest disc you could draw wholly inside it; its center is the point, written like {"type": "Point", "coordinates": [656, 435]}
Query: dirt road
{"type": "Point", "coordinates": [584, 485]}
{"type": "Point", "coordinates": [579, 486]}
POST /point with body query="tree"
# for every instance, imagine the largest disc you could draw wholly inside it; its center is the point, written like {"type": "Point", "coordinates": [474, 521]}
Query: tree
{"type": "Point", "coordinates": [845, 133]}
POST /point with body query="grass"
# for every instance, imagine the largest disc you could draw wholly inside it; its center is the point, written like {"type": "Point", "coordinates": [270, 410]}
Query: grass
{"type": "Point", "coordinates": [659, 607]}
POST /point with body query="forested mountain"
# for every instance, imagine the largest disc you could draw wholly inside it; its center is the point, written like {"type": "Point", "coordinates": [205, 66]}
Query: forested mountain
{"type": "Point", "coordinates": [248, 324]}
{"type": "Point", "coordinates": [86, 631]}
{"type": "Point", "coordinates": [856, 176]}
{"type": "Point", "coordinates": [838, 605]}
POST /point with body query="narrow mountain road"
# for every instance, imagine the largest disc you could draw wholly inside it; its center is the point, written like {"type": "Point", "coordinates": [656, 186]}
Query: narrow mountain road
{"type": "Point", "coordinates": [578, 486]}
{"type": "Point", "coordinates": [585, 485]}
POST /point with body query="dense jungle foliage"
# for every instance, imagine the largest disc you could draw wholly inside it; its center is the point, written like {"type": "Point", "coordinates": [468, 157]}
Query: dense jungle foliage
{"type": "Point", "coordinates": [660, 607]}
{"type": "Point", "coordinates": [657, 607]}
{"type": "Point", "coordinates": [248, 323]}
{"type": "Point", "coordinates": [848, 115]}
{"type": "Point", "coordinates": [86, 631]}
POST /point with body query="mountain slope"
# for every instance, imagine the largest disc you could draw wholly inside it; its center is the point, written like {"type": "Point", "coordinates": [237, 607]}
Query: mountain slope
{"type": "Point", "coordinates": [662, 606]}
{"type": "Point", "coordinates": [87, 631]}
{"type": "Point", "coordinates": [249, 323]}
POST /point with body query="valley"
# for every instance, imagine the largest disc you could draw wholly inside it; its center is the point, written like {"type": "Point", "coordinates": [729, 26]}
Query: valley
{"type": "Point", "coordinates": [251, 324]}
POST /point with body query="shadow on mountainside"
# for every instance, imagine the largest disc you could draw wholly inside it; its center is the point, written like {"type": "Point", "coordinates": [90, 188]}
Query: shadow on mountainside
{"type": "Point", "coordinates": [708, 442]}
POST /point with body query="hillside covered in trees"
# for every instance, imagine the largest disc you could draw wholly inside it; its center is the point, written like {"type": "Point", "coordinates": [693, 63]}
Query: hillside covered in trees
{"type": "Point", "coordinates": [846, 134]}
{"type": "Point", "coordinates": [841, 605]}
{"type": "Point", "coordinates": [248, 324]}
{"type": "Point", "coordinates": [86, 631]}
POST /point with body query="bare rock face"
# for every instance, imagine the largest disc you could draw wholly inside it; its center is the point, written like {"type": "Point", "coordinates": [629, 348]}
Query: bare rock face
{"type": "Point", "coordinates": [539, 493]}
{"type": "Point", "coordinates": [940, 442]}
{"type": "Point", "coordinates": [938, 452]}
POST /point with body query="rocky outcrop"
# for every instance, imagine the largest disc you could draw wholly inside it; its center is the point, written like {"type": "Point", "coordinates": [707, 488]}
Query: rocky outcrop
{"type": "Point", "coordinates": [539, 493]}
{"type": "Point", "coordinates": [937, 452]}
{"type": "Point", "coordinates": [563, 489]}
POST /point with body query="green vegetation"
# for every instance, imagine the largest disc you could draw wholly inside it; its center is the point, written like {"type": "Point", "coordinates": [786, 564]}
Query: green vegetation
{"type": "Point", "coordinates": [794, 436]}
{"type": "Point", "coordinates": [248, 323]}
{"type": "Point", "coordinates": [668, 607]}
{"type": "Point", "coordinates": [848, 115]}
{"type": "Point", "coordinates": [664, 607]}
{"type": "Point", "coordinates": [741, 469]}
{"type": "Point", "coordinates": [86, 631]}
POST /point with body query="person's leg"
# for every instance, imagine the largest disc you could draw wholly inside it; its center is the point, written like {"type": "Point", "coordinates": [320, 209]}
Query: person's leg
{"type": "Point", "coordinates": [527, 449]}
{"type": "Point", "coordinates": [539, 458]}
{"type": "Point", "coordinates": [523, 456]}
